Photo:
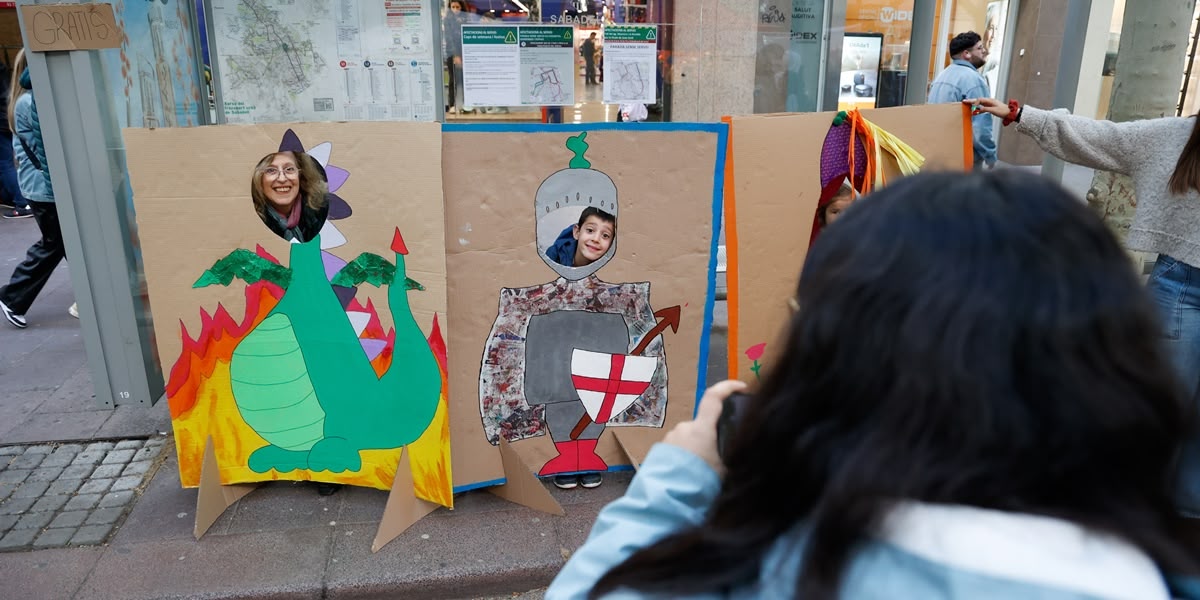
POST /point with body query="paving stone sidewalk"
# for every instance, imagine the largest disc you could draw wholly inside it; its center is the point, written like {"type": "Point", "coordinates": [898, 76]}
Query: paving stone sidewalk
{"type": "Point", "coordinates": [55, 495]}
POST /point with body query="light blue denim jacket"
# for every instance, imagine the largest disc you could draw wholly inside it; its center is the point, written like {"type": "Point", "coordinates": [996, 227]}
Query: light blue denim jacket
{"type": "Point", "coordinates": [34, 182]}
{"type": "Point", "coordinates": [961, 80]}
{"type": "Point", "coordinates": [922, 551]}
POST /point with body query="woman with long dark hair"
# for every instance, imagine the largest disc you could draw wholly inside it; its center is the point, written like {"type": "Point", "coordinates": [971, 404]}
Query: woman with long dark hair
{"type": "Point", "coordinates": [971, 401]}
{"type": "Point", "coordinates": [1162, 156]}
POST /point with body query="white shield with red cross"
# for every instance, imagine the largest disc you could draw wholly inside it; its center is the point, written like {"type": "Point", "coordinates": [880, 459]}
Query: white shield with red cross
{"type": "Point", "coordinates": [609, 383]}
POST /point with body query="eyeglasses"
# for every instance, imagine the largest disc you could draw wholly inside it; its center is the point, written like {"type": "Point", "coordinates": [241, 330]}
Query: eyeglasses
{"type": "Point", "coordinates": [273, 172]}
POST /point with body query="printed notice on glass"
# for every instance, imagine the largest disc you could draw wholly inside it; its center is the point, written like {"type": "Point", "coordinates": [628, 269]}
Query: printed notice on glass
{"type": "Point", "coordinates": [491, 60]}
{"type": "Point", "coordinates": [547, 64]}
{"type": "Point", "coordinates": [518, 65]}
{"type": "Point", "coordinates": [630, 64]}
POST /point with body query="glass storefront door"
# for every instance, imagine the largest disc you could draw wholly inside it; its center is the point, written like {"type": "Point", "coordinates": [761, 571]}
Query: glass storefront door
{"type": "Point", "coordinates": [589, 18]}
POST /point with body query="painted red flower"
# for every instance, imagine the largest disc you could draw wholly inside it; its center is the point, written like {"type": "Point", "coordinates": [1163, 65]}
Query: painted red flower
{"type": "Point", "coordinates": [755, 352]}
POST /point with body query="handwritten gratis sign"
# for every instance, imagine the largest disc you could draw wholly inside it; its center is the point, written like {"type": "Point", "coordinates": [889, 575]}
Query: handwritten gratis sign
{"type": "Point", "coordinates": [70, 27]}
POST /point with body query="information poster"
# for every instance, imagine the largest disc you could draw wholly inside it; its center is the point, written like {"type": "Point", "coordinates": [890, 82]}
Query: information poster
{"type": "Point", "coordinates": [630, 64]}
{"type": "Point", "coordinates": [861, 53]}
{"type": "Point", "coordinates": [518, 65]}
{"type": "Point", "coordinates": [311, 60]}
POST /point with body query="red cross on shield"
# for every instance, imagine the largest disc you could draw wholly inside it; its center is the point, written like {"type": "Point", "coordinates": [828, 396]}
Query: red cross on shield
{"type": "Point", "coordinates": [610, 383]}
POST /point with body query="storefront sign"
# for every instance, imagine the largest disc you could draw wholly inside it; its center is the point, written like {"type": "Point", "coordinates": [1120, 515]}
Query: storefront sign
{"type": "Point", "coordinates": [70, 27]}
{"type": "Point", "coordinates": [631, 64]}
{"type": "Point", "coordinates": [518, 65]}
{"type": "Point", "coordinates": [585, 20]}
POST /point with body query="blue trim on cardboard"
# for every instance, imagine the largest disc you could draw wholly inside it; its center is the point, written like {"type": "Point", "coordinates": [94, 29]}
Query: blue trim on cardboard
{"type": "Point", "coordinates": [710, 295]}
{"type": "Point", "coordinates": [612, 469]}
{"type": "Point", "coordinates": [717, 128]}
{"type": "Point", "coordinates": [503, 480]}
{"type": "Point", "coordinates": [480, 485]}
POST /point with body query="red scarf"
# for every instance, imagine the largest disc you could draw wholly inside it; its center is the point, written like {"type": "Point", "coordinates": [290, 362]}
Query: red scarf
{"type": "Point", "coordinates": [294, 217]}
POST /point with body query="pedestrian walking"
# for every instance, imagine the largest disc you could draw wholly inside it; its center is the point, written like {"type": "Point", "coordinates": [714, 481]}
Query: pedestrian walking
{"type": "Point", "coordinates": [34, 180]}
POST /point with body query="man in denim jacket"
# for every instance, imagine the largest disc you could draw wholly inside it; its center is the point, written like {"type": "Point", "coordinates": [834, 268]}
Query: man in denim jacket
{"type": "Point", "coordinates": [961, 80]}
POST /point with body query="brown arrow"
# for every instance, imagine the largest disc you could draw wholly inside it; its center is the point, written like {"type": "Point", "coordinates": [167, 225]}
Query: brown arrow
{"type": "Point", "coordinates": [668, 317]}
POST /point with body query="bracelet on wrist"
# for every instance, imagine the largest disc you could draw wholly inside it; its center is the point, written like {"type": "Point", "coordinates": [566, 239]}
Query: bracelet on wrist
{"type": "Point", "coordinates": [1014, 113]}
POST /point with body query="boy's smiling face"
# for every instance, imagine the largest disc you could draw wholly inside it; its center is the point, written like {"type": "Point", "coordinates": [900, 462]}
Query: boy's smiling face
{"type": "Point", "coordinates": [594, 237]}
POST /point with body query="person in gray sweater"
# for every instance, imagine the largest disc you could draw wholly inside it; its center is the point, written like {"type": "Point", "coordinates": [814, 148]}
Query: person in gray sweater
{"type": "Point", "coordinates": [1162, 156]}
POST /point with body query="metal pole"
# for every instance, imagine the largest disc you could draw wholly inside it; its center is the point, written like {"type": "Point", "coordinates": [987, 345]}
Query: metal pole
{"type": "Point", "coordinates": [439, 60]}
{"type": "Point", "coordinates": [1006, 58]}
{"type": "Point", "coordinates": [206, 116]}
{"type": "Point", "coordinates": [214, 60]}
{"type": "Point", "coordinates": [86, 158]}
{"type": "Point", "coordinates": [916, 90]}
{"type": "Point", "coordinates": [835, 27]}
{"type": "Point", "coordinates": [1069, 61]}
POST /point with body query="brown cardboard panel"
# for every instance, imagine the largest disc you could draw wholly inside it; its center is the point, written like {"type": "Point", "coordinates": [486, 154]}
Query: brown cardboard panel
{"type": "Point", "coordinates": [91, 26]}
{"type": "Point", "coordinates": [776, 184]}
{"type": "Point", "coordinates": [192, 196]}
{"type": "Point", "coordinates": [665, 194]}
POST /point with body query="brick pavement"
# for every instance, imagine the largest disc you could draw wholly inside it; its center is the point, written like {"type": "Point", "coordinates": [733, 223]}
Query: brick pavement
{"type": "Point", "coordinates": [56, 495]}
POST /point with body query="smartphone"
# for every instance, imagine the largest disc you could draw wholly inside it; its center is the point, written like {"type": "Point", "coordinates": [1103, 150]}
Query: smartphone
{"type": "Point", "coordinates": [732, 410]}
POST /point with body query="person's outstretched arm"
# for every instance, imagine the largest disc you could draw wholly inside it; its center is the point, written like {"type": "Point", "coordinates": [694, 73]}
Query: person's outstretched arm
{"type": "Point", "coordinates": [1092, 143]}
{"type": "Point", "coordinates": [672, 490]}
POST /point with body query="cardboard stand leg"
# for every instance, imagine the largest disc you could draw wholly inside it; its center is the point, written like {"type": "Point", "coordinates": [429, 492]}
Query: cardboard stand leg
{"type": "Point", "coordinates": [403, 506]}
{"type": "Point", "coordinates": [213, 498]}
{"type": "Point", "coordinates": [521, 485]}
{"type": "Point", "coordinates": [634, 446]}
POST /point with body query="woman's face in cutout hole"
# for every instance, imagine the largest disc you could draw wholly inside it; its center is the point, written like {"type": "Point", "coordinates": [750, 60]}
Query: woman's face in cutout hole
{"type": "Point", "coordinates": [290, 195]}
{"type": "Point", "coordinates": [281, 182]}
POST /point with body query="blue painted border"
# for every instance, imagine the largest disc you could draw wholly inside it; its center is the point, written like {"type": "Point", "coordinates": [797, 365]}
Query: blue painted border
{"type": "Point", "coordinates": [480, 485]}
{"type": "Point", "coordinates": [718, 212]}
{"type": "Point", "coordinates": [718, 128]}
{"type": "Point", "coordinates": [718, 195]}
{"type": "Point", "coordinates": [503, 480]}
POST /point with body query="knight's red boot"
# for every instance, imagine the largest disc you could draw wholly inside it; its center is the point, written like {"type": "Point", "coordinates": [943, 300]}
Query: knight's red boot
{"type": "Point", "coordinates": [588, 459]}
{"type": "Point", "coordinates": [567, 460]}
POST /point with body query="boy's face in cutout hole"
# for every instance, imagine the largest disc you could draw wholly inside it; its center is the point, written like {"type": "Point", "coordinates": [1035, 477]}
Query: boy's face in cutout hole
{"type": "Point", "coordinates": [281, 182]}
{"type": "Point", "coordinates": [594, 237]}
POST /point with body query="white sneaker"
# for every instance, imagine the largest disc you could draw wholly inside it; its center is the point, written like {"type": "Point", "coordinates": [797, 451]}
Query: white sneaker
{"type": "Point", "coordinates": [74, 310]}
{"type": "Point", "coordinates": [17, 320]}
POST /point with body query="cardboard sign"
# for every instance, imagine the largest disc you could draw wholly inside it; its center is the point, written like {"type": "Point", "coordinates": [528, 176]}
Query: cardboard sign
{"type": "Point", "coordinates": [771, 197]}
{"type": "Point", "coordinates": [70, 27]}
{"type": "Point", "coordinates": [284, 352]}
{"type": "Point", "coordinates": [518, 317]}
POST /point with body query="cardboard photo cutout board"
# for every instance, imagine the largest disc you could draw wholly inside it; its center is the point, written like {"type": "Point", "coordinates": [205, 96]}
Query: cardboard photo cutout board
{"type": "Point", "coordinates": [577, 347]}
{"type": "Point", "coordinates": [320, 360]}
{"type": "Point", "coordinates": [773, 186]}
